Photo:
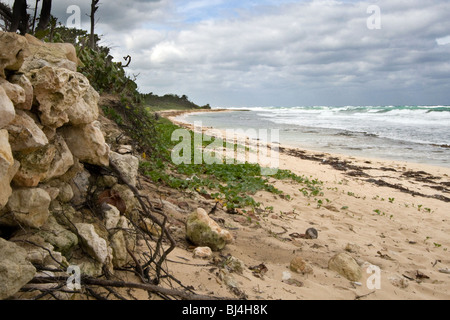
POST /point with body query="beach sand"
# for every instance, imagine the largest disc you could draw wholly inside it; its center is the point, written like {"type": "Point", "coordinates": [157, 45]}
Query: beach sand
{"type": "Point", "coordinates": [383, 213]}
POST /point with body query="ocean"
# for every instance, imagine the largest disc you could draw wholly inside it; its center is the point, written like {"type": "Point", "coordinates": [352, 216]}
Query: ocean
{"type": "Point", "coordinates": [419, 134]}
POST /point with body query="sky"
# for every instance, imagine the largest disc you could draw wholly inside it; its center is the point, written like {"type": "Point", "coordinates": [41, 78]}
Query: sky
{"type": "Point", "coordinates": [248, 53]}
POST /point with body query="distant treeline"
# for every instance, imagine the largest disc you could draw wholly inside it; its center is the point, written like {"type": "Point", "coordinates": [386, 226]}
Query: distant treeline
{"type": "Point", "coordinates": [170, 101]}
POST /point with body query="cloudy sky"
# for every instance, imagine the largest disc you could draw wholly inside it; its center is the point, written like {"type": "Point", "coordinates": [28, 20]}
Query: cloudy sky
{"type": "Point", "coordinates": [244, 53]}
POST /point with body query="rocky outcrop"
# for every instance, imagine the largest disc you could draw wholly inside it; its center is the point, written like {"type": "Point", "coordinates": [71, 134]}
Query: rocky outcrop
{"type": "Point", "coordinates": [49, 135]}
{"type": "Point", "coordinates": [205, 232]}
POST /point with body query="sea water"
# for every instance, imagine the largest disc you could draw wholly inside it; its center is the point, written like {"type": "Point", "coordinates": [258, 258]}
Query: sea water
{"type": "Point", "coordinates": [419, 134]}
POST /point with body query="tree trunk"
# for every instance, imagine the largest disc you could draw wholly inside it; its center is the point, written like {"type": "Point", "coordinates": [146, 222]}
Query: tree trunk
{"type": "Point", "coordinates": [44, 19]}
{"type": "Point", "coordinates": [19, 18]}
{"type": "Point", "coordinates": [94, 8]}
{"type": "Point", "coordinates": [35, 16]}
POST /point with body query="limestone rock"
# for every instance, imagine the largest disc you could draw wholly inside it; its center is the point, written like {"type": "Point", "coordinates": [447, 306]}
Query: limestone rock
{"type": "Point", "coordinates": [24, 134]}
{"type": "Point", "coordinates": [22, 81]}
{"type": "Point", "coordinates": [64, 97]}
{"type": "Point", "coordinates": [62, 161]}
{"type": "Point", "coordinates": [43, 164]}
{"type": "Point", "coordinates": [299, 265]}
{"type": "Point", "coordinates": [119, 249]}
{"type": "Point", "coordinates": [14, 92]}
{"type": "Point", "coordinates": [203, 231]}
{"type": "Point", "coordinates": [87, 143]}
{"type": "Point", "coordinates": [95, 246]}
{"type": "Point", "coordinates": [203, 253]}
{"type": "Point", "coordinates": [7, 112]}
{"type": "Point", "coordinates": [128, 166]}
{"type": "Point", "coordinates": [43, 54]}
{"type": "Point", "coordinates": [112, 216]}
{"type": "Point", "coordinates": [27, 207]}
{"type": "Point", "coordinates": [15, 270]}
{"type": "Point", "coordinates": [8, 168]}
{"type": "Point", "coordinates": [346, 266]}
{"type": "Point", "coordinates": [13, 58]}
{"type": "Point", "coordinates": [63, 240]}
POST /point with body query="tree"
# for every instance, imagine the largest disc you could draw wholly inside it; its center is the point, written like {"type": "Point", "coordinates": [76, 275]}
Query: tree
{"type": "Point", "coordinates": [17, 18]}
{"type": "Point", "coordinates": [44, 19]}
{"type": "Point", "coordinates": [20, 17]}
{"type": "Point", "coordinates": [94, 8]}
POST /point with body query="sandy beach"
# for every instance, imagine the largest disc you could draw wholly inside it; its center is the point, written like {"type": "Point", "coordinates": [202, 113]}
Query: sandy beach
{"type": "Point", "coordinates": [387, 214]}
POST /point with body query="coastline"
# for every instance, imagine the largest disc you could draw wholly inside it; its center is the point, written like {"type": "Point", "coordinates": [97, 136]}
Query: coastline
{"type": "Point", "coordinates": [390, 214]}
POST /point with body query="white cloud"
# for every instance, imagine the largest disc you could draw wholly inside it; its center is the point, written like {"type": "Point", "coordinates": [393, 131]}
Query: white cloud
{"type": "Point", "coordinates": [282, 52]}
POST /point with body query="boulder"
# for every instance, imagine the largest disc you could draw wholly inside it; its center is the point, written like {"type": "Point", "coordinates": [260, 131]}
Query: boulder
{"type": "Point", "coordinates": [346, 266]}
{"type": "Point", "coordinates": [8, 168]}
{"type": "Point", "coordinates": [14, 92]}
{"type": "Point", "coordinates": [24, 134]}
{"type": "Point", "coordinates": [13, 58]}
{"type": "Point", "coordinates": [42, 54]}
{"type": "Point", "coordinates": [203, 231]}
{"type": "Point", "coordinates": [7, 111]}
{"type": "Point", "coordinates": [22, 81]}
{"type": "Point", "coordinates": [64, 96]}
{"type": "Point", "coordinates": [94, 245]}
{"type": "Point", "coordinates": [27, 207]}
{"type": "Point", "coordinates": [128, 166]}
{"type": "Point", "coordinates": [87, 143]}
{"type": "Point", "coordinates": [299, 265]}
{"type": "Point", "coordinates": [15, 270]}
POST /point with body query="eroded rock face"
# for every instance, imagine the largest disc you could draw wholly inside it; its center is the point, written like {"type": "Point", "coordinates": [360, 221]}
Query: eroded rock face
{"type": "Point", "coordinates": [205, 232]}
{"type": "Point", "coordinates": [15, 270]}
{"type": "Point", "coordinates": [64, 96]}
{"type": "Point", "coordinates": [42, 54]}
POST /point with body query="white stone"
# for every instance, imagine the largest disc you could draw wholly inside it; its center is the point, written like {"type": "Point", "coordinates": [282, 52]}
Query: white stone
{"type": "Point", "coordinates": [96, 246]}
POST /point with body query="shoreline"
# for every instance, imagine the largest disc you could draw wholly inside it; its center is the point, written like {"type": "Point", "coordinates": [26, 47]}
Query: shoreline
{"type": "Point", "coordinates": [391, 214]}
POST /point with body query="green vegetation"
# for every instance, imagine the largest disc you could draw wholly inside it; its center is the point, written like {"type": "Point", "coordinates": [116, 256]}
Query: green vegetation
{"type": "Point", "coordinates": [231, 184]}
